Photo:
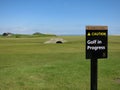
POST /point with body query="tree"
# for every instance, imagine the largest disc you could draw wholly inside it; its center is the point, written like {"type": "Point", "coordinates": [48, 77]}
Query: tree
{"type": "Point", "coordinates": [37, 33]}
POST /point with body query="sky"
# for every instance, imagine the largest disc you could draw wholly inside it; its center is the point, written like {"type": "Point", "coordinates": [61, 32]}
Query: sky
{"type": "Point", "coordinates": [61, 17]}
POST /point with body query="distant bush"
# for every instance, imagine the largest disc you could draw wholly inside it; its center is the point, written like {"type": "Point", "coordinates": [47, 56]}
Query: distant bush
{"type": "Point", "coordinates": [17, 35]}
{"type": "Point", "coordinates": [37, 33]}
{"type": "Point", "coordinates": [7, 34]}
{"type": "Point", "coordinates": [41, 34]}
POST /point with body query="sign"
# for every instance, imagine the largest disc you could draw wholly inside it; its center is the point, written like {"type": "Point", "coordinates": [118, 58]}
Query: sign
{"type": "Point", "coordinates": [96, 42]}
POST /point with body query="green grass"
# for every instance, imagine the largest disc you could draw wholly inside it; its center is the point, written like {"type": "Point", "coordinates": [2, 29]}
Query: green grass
{"type": "Point", "coordinates": [28, 64]}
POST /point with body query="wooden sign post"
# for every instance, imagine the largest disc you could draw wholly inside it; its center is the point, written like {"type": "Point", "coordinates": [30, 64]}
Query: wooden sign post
{"type": "Point", "coordinates": [96, 47]}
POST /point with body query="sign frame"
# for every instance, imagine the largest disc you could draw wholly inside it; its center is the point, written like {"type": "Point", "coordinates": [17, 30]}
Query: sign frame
{"type": "Point", "coordinates": [96, 42]}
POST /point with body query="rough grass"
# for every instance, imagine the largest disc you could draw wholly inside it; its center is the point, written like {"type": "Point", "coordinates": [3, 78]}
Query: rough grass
{"type": "Point", "coordinates": [28, 64]}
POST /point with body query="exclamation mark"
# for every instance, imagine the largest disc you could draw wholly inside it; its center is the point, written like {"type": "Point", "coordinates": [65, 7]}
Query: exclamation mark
{"type": "Point", "coordinates": [88, 34]}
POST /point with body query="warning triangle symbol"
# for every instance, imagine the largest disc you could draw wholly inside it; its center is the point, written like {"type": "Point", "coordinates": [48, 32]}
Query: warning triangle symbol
{"type": "Point", "coordinates": [88, 34]}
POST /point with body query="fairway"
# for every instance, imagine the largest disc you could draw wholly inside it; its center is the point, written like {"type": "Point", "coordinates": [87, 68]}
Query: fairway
{"type": "Point", "coordinates": [29, 64]}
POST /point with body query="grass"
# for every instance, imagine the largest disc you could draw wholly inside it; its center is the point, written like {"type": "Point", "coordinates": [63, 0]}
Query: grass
{"type": "Point", "coordinates": [28, 64]}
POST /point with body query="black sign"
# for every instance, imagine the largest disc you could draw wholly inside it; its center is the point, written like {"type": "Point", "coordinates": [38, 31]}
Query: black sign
{"type": "Point", "coordinates": [96, 42]}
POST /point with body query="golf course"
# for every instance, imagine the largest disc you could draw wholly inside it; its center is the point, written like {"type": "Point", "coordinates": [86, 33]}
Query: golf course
{"type": "Point", "coordinates": [29, 64]}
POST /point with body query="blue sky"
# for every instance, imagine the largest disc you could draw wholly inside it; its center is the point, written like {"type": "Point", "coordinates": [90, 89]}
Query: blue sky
{"type": "Point", "coordinates": [58, 16]}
